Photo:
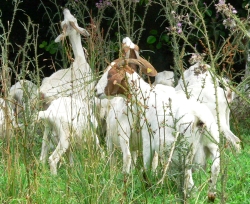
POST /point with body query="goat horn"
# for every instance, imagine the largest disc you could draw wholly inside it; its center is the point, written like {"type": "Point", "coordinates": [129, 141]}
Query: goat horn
{"type": "Point", "coordinates": [77, 29]}
{"type": "Point", "coordinates": [147, 68]}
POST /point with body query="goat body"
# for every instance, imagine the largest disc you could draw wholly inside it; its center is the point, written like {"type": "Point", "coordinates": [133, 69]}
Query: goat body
{"type": "Point", "coordinates": [75, 81]}
{"type": "Point", "coordinates": [165, 78]}
{"type": "Point", "coordinates": [67, 118]}
{"type": "Point", "coordinates": [200, 86]}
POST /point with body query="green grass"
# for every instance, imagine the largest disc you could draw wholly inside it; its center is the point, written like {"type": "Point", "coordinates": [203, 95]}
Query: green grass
{"type": "Point", "coordinates": [92, 180]}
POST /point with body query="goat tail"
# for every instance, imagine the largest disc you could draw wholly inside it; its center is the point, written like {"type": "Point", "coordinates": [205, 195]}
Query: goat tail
{"type": "Point", "coordinates": [205, 118]}
{"type": "Point", "coordinates": [203, 114]}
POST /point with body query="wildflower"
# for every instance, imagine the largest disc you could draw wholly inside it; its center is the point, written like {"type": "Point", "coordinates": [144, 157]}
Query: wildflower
{"type": "Point", "coordinates": [179, 29]}
{"type": "Point", "coordinates": [226, 9]}
{"type": "Point", "coordinates": [103, 4]}
{"type": "Point", "coordinates": [229, 23]}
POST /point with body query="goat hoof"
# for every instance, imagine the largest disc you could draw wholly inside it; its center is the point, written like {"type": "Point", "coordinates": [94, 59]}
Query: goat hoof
{"type": "Point", "coordinates": [211, 196]}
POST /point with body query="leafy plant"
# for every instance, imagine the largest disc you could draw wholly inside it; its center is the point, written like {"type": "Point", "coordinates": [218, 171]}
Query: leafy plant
{"type": "Point", "coordinates": [51, 47]}
{"type": "Point", "coordinates": [156, 41]}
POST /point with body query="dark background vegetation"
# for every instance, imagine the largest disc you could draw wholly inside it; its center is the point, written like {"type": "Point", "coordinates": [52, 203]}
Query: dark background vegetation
{"type": "Point", "coordinates": [160, 58]}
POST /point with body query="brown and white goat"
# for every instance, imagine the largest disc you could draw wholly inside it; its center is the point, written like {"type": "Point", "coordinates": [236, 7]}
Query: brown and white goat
{"type": "Point", "coordinates": [162, 116]}
{"type": "Point", "coordinates": [121, 117]}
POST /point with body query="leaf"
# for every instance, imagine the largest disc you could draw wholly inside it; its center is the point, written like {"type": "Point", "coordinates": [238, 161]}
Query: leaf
{"type": "Point", "coordinates": [52, 51]}
{"type": "Point", "coordinates": [41, 46]}
{"type": "Point", "coordinates": [159, 45]}
{"type": "Point", "coordinates": [151, 39]}
{"type": "Point", "coordinates": [44, 44]}
{"type": "Point", "coordinates": [209, 12]}
{"type": "Point", "coordinates": [153, 32]}
{"type": "Point", "coordinates": [165, 38]}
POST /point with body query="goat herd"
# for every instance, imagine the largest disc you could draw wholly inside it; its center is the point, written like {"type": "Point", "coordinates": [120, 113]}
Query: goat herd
{"type": "Point", "coordinates": [137, 115]}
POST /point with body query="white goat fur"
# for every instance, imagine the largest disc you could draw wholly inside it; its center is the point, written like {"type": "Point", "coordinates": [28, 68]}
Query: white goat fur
{"type": "Point", "coordinates": [200, 86]}
{"type": "Point", "coordinates": [67, 119]}
{"type": "Point", "coordinates": [76, 80]}
{"type": "Point", "coordinates": [165, 78]}
{"type": "Point", "coordinates": [158, 112]}
{"type": "Point", "coordinates": [17, 92]}
{"type": "Point", "coordinates": [120, 132]}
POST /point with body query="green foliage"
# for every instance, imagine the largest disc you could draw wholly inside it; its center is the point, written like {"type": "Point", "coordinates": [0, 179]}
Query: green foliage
{"type": "Point", "coordinates": [51, 47]}
{"type": "Point", "coordinates": [156, 41]}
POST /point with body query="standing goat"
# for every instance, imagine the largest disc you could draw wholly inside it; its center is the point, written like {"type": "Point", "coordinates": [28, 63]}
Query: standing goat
{"type": "Point", "coordinates": [69, 114]}
{"type": "Point", "coordinates": [75, 81]}
{"type": "Point", "coordinates": [163, 119]}
{"type": "Point", "coordinates": [68, 120]}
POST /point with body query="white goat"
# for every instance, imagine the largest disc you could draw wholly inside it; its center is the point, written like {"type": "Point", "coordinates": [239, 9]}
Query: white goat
{"type": "Point", "coordinates": [67, 117]}
{"type": "Point", "coordinates": [21, 91]}
{"type": "Point", "coordinates": [200, 86]}
{"type": "Point", "coordinates": [75, 81]}
{"type": "Point", "coordinates": [69, 120]}
{"type": "Point", "coordinates": [163, 119]}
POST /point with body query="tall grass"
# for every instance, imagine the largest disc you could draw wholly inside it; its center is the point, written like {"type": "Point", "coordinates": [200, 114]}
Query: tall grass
{"type": "Point", "coordinates": [24, 179]}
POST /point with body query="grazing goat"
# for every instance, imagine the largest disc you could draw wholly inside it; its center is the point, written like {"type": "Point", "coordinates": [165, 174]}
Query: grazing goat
{"type": "Point", "coordinates": [200, 86]}
{"type": "Point", "coordinates": [121, 117]}
{"type": "Point", "coordinates": [68, 119]}
{"type": "Point", "coordinates": [75, 81]}
{"type": "Point", "coordinates": [162, 116]}
{"type": "Point", "coordinates": [21, 93]}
